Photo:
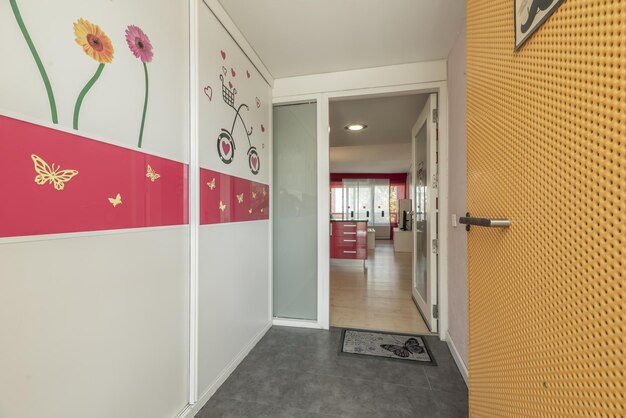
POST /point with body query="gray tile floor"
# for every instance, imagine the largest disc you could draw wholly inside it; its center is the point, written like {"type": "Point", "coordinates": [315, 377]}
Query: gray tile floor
{"type": "Point", "coordinates": [294, 372]}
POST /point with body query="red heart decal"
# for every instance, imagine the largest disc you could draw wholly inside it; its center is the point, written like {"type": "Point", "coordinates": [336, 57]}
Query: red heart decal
{"type": "Point", "coordinates": [208, 91]}
{"type": "Point", "coordinates": [225, 147]}
{"type": "Point", "coordinates": [248, 73]}
{"type": "Point", "coordinates": [262, 128]}
{"type": "Point", "coordinates": [258, 102]}
{"type": "Point", "coordinates": [223, 55]}
{"type": "Point", "coordinates": [232, 71]}
{"type": "Point", "coordinates": [230, 85]}
{"type": "Point", "coordinates": [224, 70]}
{"type": "Point", "coordinates": [254, 161]}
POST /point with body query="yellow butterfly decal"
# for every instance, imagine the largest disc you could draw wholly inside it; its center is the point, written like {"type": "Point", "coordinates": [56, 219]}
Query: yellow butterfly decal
{"type": "Point", "coordinates": [264, 192]}
{"type": "Point", "coordinates": [52, 175]}
{"type": "Point", "coordinates": [222, 206]}
{"type": "Point", "coordinates": [240, 198]}
{"type": "Point", "coordinates": [115, 201]}
{"type": "Point", "coordinates": [250, 211]}
{"type": "Point", "coordinates": [253, 195]}
{"type": "Point", "coordinates": [261, 210]}
{"type": "Point", "coordinates": [151, 174]}
{"type": "Point", "coordinates": [211, 184]}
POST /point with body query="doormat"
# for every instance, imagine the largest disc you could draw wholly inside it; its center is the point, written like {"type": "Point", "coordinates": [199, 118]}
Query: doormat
{"type": "Point", "coordinates": [411, 348]}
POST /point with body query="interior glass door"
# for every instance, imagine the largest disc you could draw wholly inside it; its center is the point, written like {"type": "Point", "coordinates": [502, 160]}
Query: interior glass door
{"type": "Point", "coordinates": [425, 285]}
{"type": "Point", "coordinates": [295, 211]}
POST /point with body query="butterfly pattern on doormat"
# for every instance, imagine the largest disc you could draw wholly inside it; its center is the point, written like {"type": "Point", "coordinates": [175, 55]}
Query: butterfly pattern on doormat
{"type": "Point", "coordinates": [386, 345]}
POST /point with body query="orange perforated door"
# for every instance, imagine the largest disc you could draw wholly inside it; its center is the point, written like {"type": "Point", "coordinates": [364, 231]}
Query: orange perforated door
{"type": "Point", "coordinates": [547, 149]}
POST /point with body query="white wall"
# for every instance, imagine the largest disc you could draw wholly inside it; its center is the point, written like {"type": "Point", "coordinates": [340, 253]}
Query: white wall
{"type": "Point", "coordinates": [112, 109]}
{"type": "Point", "coordinates": [457, 237]}
{"type": "Point", "coordinates": [233, 269]}
{"type": "Point", "coordinates": [234, 296]}
{"type": "Point", "coordinates": [96, 324]}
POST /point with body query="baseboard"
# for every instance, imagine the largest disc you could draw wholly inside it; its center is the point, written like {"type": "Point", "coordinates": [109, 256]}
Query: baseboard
{"type": "Point", "coordinates": [185, 412]}
{"type": "Point", "coordinates": [192, 410]}
{"type": "Point", "coordinates": [297, 323]}
{"type": "Point", "coordinates": [457, 358]}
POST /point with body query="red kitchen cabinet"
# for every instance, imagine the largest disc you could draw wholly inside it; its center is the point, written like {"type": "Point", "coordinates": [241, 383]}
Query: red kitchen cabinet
{"type": "Point", "coordinates": [348, 239]}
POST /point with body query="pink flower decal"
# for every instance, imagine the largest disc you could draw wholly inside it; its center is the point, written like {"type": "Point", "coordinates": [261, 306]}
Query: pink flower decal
{"type": "Point", "coordinates": [140, 46]}
{"type": "Point", "coordinates": [139, 43]}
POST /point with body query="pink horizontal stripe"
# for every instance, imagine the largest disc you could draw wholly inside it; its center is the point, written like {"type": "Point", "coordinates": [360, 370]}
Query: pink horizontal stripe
{"type": "Point", "coordinates": [225, 199]}
{"type": "Point", "coordinates": [104, 171]}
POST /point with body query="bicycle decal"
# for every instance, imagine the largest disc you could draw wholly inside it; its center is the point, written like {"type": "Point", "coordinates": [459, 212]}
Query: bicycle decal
{"type": "Point", "coordinates": [225, 141]}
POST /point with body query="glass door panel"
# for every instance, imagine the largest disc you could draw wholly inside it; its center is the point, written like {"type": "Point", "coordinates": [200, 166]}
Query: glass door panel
{"type": "Point", "coordinates": [425, 219]}
{"type": "Point", "coordinates": [295, 211]}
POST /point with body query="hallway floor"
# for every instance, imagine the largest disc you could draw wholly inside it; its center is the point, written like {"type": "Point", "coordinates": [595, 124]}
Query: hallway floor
{"type": "Point", "coordinates": [377, 297]}
{"type": "Point", "coordinates": [298, 373]}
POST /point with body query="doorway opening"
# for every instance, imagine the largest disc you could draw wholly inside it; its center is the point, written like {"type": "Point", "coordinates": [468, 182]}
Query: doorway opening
{"type": "Point", "coordinates": [383, 208]}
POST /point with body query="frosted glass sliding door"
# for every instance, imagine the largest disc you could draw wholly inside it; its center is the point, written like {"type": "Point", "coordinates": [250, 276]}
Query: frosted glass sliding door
{"type": "Point", "coordinates": [295, 211]}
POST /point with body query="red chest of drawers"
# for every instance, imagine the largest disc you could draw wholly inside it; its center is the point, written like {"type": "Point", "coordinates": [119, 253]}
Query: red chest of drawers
{"type": "Point", "coordinates": [348, 239]}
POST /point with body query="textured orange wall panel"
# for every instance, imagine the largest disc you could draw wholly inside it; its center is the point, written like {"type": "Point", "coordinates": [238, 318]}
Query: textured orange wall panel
{"type": "Point", "coordinates": [547, 148]}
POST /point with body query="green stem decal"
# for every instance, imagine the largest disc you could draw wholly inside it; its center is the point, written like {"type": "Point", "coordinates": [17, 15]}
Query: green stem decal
{"type": "Point", "coordinates": [33, 51]}
{"type": "Point", "coordinates": [84, 92]}
{"type": "Point", "coordinates": [145, 105]}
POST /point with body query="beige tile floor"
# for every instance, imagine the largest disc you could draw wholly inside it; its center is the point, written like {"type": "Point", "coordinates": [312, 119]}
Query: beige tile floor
{"type": "Point", "coordinates": [377, 297]}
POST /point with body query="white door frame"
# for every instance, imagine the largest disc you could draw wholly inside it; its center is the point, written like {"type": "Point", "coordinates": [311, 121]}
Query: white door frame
{"type": "Point", "coordinates": [323, 189]}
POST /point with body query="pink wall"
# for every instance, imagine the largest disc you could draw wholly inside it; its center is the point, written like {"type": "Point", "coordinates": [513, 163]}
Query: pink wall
{"type": "Point", "coordinates": [457, 239]}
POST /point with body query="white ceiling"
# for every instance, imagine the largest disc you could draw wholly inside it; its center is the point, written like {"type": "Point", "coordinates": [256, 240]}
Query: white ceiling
{"type": "Point", "coordinates": [389, 120]}
{"type": "Point", "coordinates": [298, 37]}
{"type": "Point", "coordinates": [385, 146]}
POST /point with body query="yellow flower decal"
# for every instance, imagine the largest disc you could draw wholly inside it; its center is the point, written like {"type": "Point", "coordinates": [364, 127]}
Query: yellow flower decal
{"type": "Point", "coordinates": [94, 41]}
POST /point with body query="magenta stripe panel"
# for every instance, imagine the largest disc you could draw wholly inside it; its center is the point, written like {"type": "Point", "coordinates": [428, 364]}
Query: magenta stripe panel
{"type": "Point", "coordinates": [225, 198]}
{"type": "Point", "coordinates": [57, 182]}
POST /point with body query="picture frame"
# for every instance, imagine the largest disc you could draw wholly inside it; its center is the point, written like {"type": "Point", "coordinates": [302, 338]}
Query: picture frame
{"type": "Point", "coordinates": [529, 15]}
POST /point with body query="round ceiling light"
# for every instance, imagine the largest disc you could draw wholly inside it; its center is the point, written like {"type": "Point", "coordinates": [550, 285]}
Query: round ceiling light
{"type": "Point", "coordinates": [356, 127]}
